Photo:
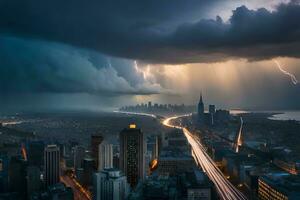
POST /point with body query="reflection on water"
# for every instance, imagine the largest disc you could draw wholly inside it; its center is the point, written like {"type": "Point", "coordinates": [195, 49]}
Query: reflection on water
{"type": "Point", "coordinates": [12, 123]}
{"type": "Point", "coordinates": [287, 115]}
{"type": "Point", "coordinates": [238, 112]}
{"type": "Point", "coordinates": [280, 115]}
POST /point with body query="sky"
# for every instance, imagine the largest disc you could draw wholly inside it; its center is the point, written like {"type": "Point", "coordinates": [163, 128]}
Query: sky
{"type": "Point", "coordinates": [103, 54]}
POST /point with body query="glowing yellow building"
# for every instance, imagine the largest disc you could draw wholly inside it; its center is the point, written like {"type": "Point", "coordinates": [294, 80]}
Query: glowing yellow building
{"type": "Point", "coordinates": [132, 151]}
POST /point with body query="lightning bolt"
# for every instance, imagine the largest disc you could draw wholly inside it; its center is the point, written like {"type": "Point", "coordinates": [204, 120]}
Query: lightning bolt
{"type": "Point", "coordinates": [292, 76]}
{"type": "Point", "coordinates": [145, 73]}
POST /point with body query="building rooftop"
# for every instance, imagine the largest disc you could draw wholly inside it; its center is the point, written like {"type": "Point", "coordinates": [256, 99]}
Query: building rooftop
{"type": "Point", "coordinates": [283, 182]}
{"type": "Point", "coordinates": [112, 173]}
{"type": "Point", "coordinates": [195, 179]}
{"type": "Point", "coordinates": [174, 154]}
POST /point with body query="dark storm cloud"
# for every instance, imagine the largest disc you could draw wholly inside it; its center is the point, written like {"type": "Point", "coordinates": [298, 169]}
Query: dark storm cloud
{"type": "Point", "coordinates": [250, 34]}
{"type": "Point", "coordinates": [153, 30]}
{"type": "Point", "coordinates": [32, 66]}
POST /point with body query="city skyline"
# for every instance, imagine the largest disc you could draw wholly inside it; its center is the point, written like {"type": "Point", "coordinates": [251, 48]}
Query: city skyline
{"type": "Point", "coordinates": [150, 99]}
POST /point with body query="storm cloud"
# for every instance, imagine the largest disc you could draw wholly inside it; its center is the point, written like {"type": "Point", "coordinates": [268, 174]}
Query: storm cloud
{"type": "Point", "coordinates": [33, 66]}
{"type": "Point", "coordinates": [158, 31]}
{"type": "Point", "coordinates": [77, 53]}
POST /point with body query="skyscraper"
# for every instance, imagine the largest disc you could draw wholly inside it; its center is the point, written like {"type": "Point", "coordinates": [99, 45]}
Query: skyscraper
{"type": "Point", "coordinates": [132, 154]}
{"type": "Point", "coordinates": [4, 168]}
{"type": "Point", "coordinates": [33, 180]}
{"type": "Point", "coordinates": [110, 184]}
{"type": "Point", "coordinates": [201, 111]}
{"type": "Point", "coordinates": [88, 170]}
{"type": "Point", "coordinates": [51, 164]}
{"type": "Point", "coordinates": [149, 105]}
{"type": "Point", "coordinates": [105, 156]}
{"type": "Point", "coordinates": [17, 174]}
{"type": "Point", "coordinates": [96, 139]}
{"type": "Point", "coordinates": [79, 154]}
{"type": "Point", "coordinates": [35, 153]}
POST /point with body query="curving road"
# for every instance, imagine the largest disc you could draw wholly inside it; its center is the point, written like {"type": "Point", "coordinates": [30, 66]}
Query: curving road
{"type": "Point", "coordinates": [239, 141]}
{"type": "Point", "coordinates": [225, 189]}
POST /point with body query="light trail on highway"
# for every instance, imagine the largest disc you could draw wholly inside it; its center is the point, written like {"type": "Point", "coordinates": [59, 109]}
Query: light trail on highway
{"type": "Point", "coordinates": [80, 193]}
{"type": "Point", "coordinates": [239, 141]}
{"type": "Point", "coordinates": [135, 113]}
{"type": "Point", "coordinates": [224, 188]}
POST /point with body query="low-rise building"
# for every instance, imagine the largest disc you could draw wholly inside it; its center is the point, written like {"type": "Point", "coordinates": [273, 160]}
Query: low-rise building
{"type": "Point", "coordinates": [57, 191]}
{"type": "Point", "coordinates": [279, 186]}
{"type": "Point", "coordinates": [173, 161]}
{"type": "Point", "coordinates": [195, 185]}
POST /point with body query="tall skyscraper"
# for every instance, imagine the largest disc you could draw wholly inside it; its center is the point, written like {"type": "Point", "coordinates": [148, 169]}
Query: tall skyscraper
{"type": "Point", "coordinates": [132, 154]}
{"type": "Point", "coordinates": [79, 154]}
{"type": "Point", "coordinates": [110, 184]}
{"type": "Point", "coordinates": [51, 164]}
{"type": "Point", "coordinates": [33, 180]}
{"type": "Point", "coordinates": [201, 111]}
{"type": "Point", "coordinates": [96, 139]}
{"type": "Point", "coordinates": [105, 156]}
{"type": "Point", "coordinates": [17, 174]}
{"type": "Point", "coordinates": [88, 170]}
{"type": "Point", "coordinates": [35, 153]}
{"type": "Point", "coordinates": [4, 168]}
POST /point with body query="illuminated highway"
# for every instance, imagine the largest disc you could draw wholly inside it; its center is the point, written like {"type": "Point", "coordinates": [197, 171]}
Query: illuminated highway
{"type": "Point", "coordinates": [80, 193]}
{"type": "Point", "coordinates": [225, 189]}
{"type": "Point", "coordinates": [135, 113]}
{"type": "Point", "coordinates": [239, 141]}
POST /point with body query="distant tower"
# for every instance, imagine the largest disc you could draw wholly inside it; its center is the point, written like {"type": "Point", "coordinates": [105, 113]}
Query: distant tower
{"type": "Point", "coordinates": [105, 156]}
{"type": "Point", "coordinates": [95, 142]}
{"type": "Point", "coordinates": [132, 154]}
{"type": "Point", "coordinates": [212, 112]}
{"type": "Point", "coordinates": [110, 184]}
{"type": "Point", "coordinates": [149, 105]}
{"type": "Point", "coordinates": [212, 109]}
{"type": "Point", "coordinates": [51, 163]}
{"type": "Point", "coordinates": [201, 111]}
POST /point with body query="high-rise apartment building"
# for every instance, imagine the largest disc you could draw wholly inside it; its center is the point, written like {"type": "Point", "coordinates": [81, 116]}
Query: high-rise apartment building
{"type": "Point", "coordinates": [110, 184]}
{"type": "Point", "coordinates": [96, 139]}
{"type": "Point", "coordinates": [132, 154]}
{"type": "Point", "coordinates": [105, 156]}
{"type": "Point", "coordinates": [51, 164]}
{"type": "Point", "coordinates": [79, 155]}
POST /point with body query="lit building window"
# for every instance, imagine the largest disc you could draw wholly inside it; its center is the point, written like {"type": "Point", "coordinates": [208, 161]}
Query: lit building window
{"type": "Point", "coordinates": [132, 126]}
